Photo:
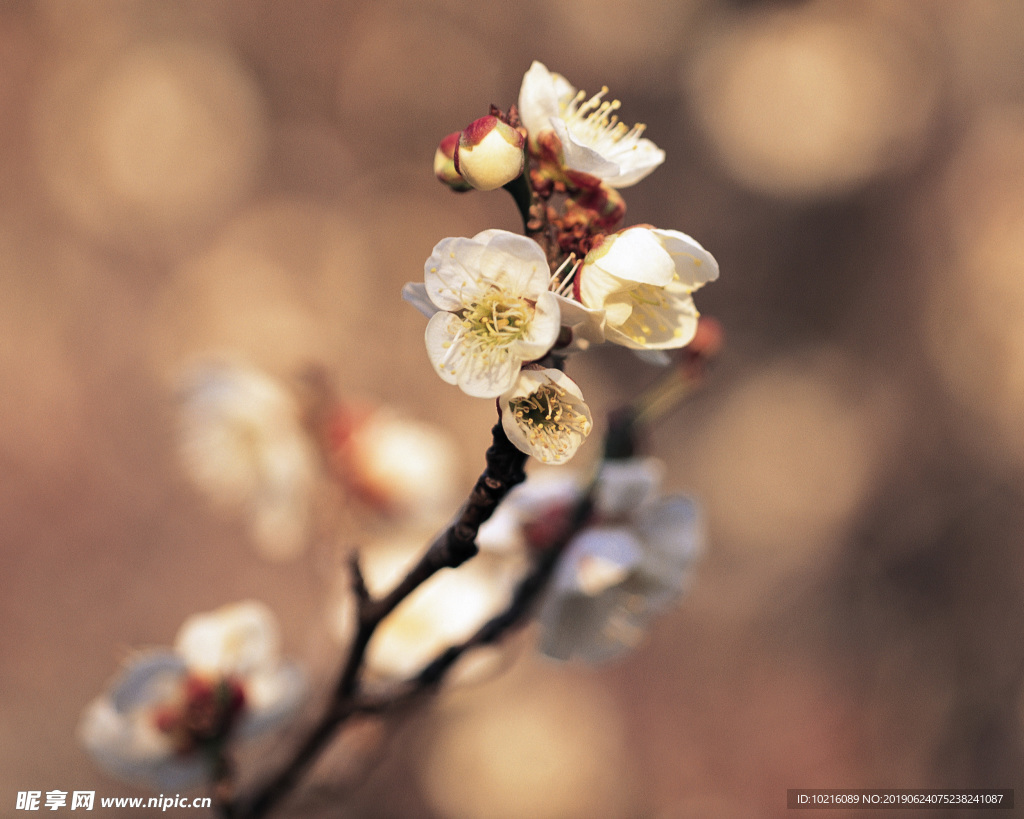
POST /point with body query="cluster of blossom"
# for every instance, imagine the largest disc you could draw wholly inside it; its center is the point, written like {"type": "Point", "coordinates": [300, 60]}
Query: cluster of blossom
{"type": "Point", "coordinates": [505, 310]}
{"type": "Point", "coordinates": [249, 443]}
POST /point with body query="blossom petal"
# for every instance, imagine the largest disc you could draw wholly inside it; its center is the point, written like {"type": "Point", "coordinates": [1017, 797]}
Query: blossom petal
{"type": "Point", "coordinates": [543, 330]}
{"type": "Point", "coordinates": [477, 372]}
{"type": "Point", "coordinates": [635, 255]}
{"type": "Point", "coordinates": [693, 264]}
{"type": "Point", "coordinates": [238, 639]}
{"type": "Point", "coordinates": [449, 273]}
{"type": "Point", "coordinates": [272, 699]}
{"type": "Point", "coordinates": [625, 485]}
{"type": "Point", "coordinates": [538, 99]}
{"type": "Point", "coordinates": [635, 163]}
{"type": "Point", "coordinates": [579, 156]}
{"type": "Point", "coordinates": [516, 263]}
{"type": "Point", "coordinates": [416, 294]}
{"type": "Point", "coordinates": [663, 320]}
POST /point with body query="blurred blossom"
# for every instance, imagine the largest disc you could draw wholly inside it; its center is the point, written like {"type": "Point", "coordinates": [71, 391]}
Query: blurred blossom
{"type": "Point", "coordinates": [167, 711]}
{"type": "Point", "coordinates": [593, 140]}
{"type": "Point", "coordinates": [814, 100]}
{"type": "Point", "coordinates": [973, 316]}
{"type": "Point", "coordinates": [151, 143]}
{"type": "Point", "coordinates": [445, 610]}
{"type": "Point", "coordinates": [627, 565]}
{"type": "Point", "coordinates": [790, 453]}
{"type": "Point", "coordinates": [396, 464]}
{"type": "Point", "coordinates": [243, 444]}
{"type": "Point", "coordinates": [535, 743]}
{"type": "Point", "coordinates": [519, 523]}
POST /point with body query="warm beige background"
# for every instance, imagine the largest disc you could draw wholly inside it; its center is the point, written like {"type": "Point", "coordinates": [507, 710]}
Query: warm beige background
{"type": "Point", "coordinates": [204, 174]}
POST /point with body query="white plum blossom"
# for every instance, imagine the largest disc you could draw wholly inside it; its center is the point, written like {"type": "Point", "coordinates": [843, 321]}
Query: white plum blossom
{"type": "Point", "coordinates": [544, 415]}
{"type": "Point", "coordinates": [593, 139]}
{"type": "Point", "coordinates": [624, 568]}
{"type": "Point", "coordinates": [242, 442]}
{"type": "Point", "coordinates": [495, 311]}
{"type": "Point", "coordinates": [167, 709]}
{"type": "Point", "coordinates": [642, 279]}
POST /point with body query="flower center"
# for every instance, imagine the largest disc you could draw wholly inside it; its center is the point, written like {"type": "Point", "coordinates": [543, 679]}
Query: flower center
{"type": "Point", "coordinates": [594, 123]}
{"type": "Point", "coordinates": [549, 420]}
{"type": "Point", "coordinates": [497, 319]}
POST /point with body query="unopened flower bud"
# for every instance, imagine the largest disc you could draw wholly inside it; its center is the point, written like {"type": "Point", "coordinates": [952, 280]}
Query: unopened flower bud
{"type": "Point", "coordinates": [444, 164]}
{"type": "Point", "coordinates": [489, 154]}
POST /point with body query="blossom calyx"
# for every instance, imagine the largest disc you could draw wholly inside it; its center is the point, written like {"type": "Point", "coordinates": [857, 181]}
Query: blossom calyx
{"type": "Point", "coordinates": [489, 153]}
{"type": "Point", "coordinates": [444, 164]}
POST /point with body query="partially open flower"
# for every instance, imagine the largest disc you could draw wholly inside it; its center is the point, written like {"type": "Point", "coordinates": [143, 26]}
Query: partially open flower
{"type": "Point", "coordinates": [242, 442]}
{"type": "Point", "coordinates": [168, 712]}
{"type": "Point", "coordinates": [496, 311]}
{"type": "Point", "coordinates": [593, 140]}
{"type": "Point", "coordinates": [545, 416]}
{"type": "Point", "coordinates": [643, 278]}
{"type": "Point", "coordinates": [444, 164]}
{"type": "Point", "coordinates": [621, 570]}
{"type": "Point", "coordinates": [489, 153]}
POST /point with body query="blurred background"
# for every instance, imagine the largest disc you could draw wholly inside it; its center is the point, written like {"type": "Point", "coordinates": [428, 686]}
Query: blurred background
{"type": "Point", "coordinates": [255, 177]}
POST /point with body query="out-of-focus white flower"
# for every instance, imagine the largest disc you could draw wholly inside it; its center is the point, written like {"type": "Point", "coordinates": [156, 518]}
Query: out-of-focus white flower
{"type": "Point", "coordinates": [496, 311]}
{"type": "Point", "coordinates": [396, 464]}
{"type": "Point", "coordinates": [544, 415]}
{"type": "Point", "coordinates": [242, 443]}
{"type": "Point", "coordinates": [629, 564]}
{"type": "Point", "coordinates": [445, 610]}
{"type": "Point", "coordinates": [643, 280]}
{"type": "Point", "coordinates": [531, 514]}
{"type": "Point", "coordinates": [593, 140]}
{"type": "Point", "coordinates": [489, 153]}
{"type": "Point", "coordinates": [167, 710]}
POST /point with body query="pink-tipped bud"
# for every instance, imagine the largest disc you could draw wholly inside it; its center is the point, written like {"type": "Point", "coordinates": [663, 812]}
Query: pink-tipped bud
{"type": "Point", "coordinates": [489, 153]}
{"type": "Point", "coordinates": [444, 164]}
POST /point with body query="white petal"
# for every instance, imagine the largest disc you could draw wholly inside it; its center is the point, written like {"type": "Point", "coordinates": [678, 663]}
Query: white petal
{"type": "Point", "coordinates": [416, 294]}
{"type": "Point", "coordinates": [624, 485]}
{"type": "Point", "coordinates": [634, 164]}
{"type": "Point", "coordinates": [543, 331]}
{"type": "Point", "coordinates": [598, 559]}
{"type": "Point", "coordinates": [272, 699]}
{"type": "Point", "coordinates": [238, 639]}
{"type": "Point", "coordinates": [636, 255]}
{"type": "Point", "coordinates": [581, 157]}
{"type": "Point", "coordinates": [538, 99]}
{"type": "Point", "coordinates": [515, 263]}
{"type": "Point", "coordinates": [441, 333]}
{"type": "Point", "coordinates": [694, 265]}
{"type": "Point", "coordinates": [451, 272]}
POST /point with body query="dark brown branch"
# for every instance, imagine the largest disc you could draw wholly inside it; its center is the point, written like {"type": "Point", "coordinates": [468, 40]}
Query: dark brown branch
{"type": "Point", "coordinates": [450, 549]}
